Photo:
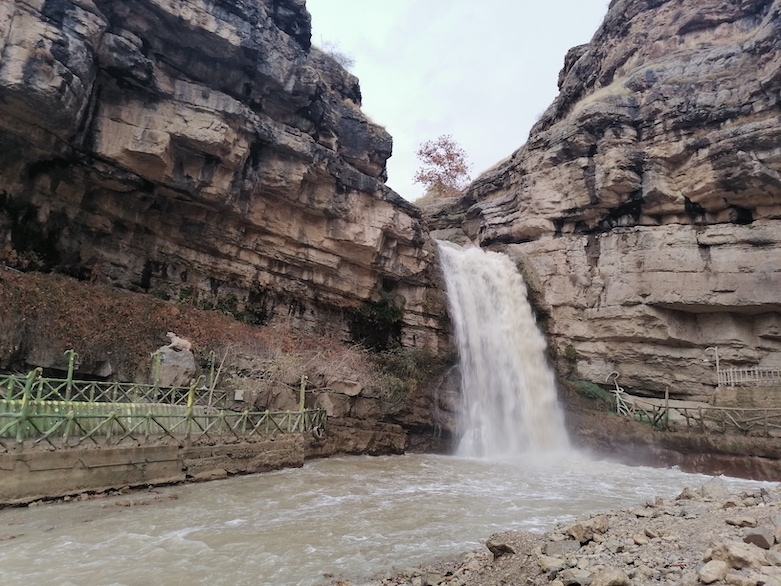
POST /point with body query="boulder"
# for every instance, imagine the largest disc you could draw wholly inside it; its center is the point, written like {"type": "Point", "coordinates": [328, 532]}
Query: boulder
{"type": "Point", "coordinates": [713, 571]}
{"type": "Point", "coordinates": [762, 536]}
{"type": "Point", "coordinates": [177, 367]}
{"type": "Point", "coordinates": [739, 555]}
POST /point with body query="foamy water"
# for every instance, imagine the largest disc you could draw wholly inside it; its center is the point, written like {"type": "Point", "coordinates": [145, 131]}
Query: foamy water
{"type": "Point", "coordinates": [350, 517]}
{"type": "Point", "coordinates": [509, 405]}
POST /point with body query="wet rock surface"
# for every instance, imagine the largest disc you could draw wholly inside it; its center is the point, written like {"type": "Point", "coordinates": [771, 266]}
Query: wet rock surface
{"type": "Point", "coordinates": [684, 541]}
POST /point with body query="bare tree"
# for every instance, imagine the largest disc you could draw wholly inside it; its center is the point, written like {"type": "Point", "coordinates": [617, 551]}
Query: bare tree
{"type": "Point", "coordinates": [335, 51]}
{"type": "Point", "coordinates": [444, 167]}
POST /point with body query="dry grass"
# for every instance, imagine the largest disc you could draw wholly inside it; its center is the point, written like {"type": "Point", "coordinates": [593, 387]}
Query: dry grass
{"type": "Point", "coordinates": [58, 313]}
{"type": "Point", "coordinates": [49, 314]}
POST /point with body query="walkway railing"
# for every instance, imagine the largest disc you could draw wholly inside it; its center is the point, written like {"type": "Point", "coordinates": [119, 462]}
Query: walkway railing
{"type": "Point", "coordinates": [636, 408]}
{"type": "Point", "coordinates": [763, 422]}
{"type": "Point", "coordinates": [58, 389]}
{"type": "Point", "coordinates": [27, 421]}
{"type": "Point", "coordinates": [755, 375]}
{"type": "Point", "coordinates": [748, 421]}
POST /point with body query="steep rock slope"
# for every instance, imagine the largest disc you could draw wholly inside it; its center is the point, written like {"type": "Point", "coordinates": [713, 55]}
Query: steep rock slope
{"type": "Point", "coordinates": [645, 208]}
{"type": "Point", "coordinates": [204, 151]}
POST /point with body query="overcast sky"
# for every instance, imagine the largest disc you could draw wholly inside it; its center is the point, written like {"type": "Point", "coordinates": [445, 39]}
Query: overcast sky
{"type": "Point", "coordinates": [480, 70]}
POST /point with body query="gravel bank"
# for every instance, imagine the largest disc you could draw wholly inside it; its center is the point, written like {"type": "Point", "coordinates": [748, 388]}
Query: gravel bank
{"type": "Point", "coordinates": [704, 536]}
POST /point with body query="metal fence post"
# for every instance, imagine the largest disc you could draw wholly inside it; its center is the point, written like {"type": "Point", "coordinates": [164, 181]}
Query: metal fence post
{"type": "Point", "coordinates": [156, 361]}
{"type": "Point", "coordinates": [72, 356]}
{"type": "Point", "coordinates": [188, 425]}
{"type": "Point", "coordinates": [24, 409]}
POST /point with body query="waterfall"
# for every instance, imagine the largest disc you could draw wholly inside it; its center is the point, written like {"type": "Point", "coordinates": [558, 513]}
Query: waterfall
{"type": "Point", "coordinates": [509, 405]}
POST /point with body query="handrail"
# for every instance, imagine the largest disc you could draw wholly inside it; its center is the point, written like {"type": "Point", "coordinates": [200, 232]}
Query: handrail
{"type": "Point", "coordinates": [33, 408]}
{"type": "Point", "coordinates": [758, 375]}
{"type": "Point", "coordinates": [12, 385]}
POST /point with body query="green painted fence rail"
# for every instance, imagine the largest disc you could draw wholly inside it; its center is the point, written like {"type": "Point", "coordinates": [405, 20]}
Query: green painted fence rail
{"type": "Point", "coordinates": [57, 389]}
{"type": "Point", "coordinates": [31, 418]}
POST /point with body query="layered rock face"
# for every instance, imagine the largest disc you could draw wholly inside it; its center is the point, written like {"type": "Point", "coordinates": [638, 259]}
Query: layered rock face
{"type": "Point", "coordinates": [645, 209]}
{"type": "Point", "coordinates": [205, 152]}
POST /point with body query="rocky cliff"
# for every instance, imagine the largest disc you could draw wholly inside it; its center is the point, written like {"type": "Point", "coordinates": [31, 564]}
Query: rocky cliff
{"type": "Point", "coordinates": [645, 208]}
{"type": "Point", "coordinates": [205, 152]}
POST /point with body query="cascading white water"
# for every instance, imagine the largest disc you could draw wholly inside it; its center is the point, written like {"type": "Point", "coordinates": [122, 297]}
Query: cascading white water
{"type": "Point", "coordinates": [509, 404]}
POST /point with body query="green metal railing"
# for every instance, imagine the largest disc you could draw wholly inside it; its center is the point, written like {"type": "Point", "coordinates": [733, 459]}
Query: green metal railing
{"type": "Point", "coordinates": [29, 415]}
{"type": "Point", "coordinates": [56, 389]}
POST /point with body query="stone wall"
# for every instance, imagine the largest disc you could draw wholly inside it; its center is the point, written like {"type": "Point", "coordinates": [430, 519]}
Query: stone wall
{"type": "Point", "coordinates": [32, 474]}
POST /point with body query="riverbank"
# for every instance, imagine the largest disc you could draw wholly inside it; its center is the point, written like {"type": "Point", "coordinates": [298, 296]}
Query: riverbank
{"type": "Point", "coordinates": [704, 536]}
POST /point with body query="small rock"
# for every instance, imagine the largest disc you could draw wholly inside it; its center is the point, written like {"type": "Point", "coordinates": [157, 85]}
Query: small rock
{"type": "Point", "coordinates": [575, 577]}
{"type": "Point", "coordinates": [714, 489]}
{"type": "Point", "coordinates": [500, 548]}
{"type": "Point", "coordinates": [739, 555]}
{"type": "Point", "coordinates": [738, 580]}
{"type": "Point", "coordinates": [742, 521]}
{"type": "Point", "coordinates": [651, 534]}
{"type": "Point", "coordinates": [713, 571]}
{"type": "Point", "coordinates": [773, 557]}
{"type": "Point", "coordinates": [610, 577]}
{"type": "Point", "coordinates": [640, 539]}
{"type": "Point", "coordinates": [551, 564]}
{"type": "Point", "coordinates": [645, 513]}
{"type": "Point", "coordinates": [687, 494]}
{"type": "Point", "coordinates": [766, 580]}
{"type": "Point", "coordinates": [760, 536]}
{"type": "Point", "coordinates": [560, 548]}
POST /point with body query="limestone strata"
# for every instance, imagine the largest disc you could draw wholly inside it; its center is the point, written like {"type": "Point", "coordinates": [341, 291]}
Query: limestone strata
{"type": "Point", "coordinates": [645, 208]}
{"type": "Point", "coordinates": [204, 152]}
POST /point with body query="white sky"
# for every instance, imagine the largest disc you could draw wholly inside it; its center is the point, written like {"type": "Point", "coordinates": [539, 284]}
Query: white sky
{"type": "Point", "coordinates": [480, 70]}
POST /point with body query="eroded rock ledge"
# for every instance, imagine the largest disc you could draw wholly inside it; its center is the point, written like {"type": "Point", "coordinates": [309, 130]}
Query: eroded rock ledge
{"type": "Point", "coordinates": [645, 208]}
{"type": "Point", "coordinates": [205, 152]}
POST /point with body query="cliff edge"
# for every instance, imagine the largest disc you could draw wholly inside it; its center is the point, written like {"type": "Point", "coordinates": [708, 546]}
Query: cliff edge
{"type": "Point", "coordinates": [645, 208]}
{"type": "Point", "coordinates": [206, 152]}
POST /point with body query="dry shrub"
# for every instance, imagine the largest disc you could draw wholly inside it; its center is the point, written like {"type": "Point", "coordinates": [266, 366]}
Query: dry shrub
{"type": "Point", "coordinates": [59, 313]}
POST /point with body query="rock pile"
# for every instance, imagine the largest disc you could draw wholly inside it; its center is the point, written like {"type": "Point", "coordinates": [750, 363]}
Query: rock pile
{"type": "Point", "coordinates": [704, 536]}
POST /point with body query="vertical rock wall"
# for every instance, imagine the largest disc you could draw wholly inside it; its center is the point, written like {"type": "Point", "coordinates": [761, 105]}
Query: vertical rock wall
{"type": "Point", "coordinates": [645, 208]}
{"type": "Point", "coordinates": [205, 152]}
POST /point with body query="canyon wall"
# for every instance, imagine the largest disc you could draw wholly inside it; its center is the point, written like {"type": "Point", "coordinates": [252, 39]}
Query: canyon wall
{"type": "Point", "coordinates": [645, 208]}
{"type": "Point", "coordinates": [207, 153]}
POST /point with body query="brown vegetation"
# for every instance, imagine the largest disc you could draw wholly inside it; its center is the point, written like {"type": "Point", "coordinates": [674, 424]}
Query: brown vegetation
{"type": "Point", "coordinates": [47, 314]}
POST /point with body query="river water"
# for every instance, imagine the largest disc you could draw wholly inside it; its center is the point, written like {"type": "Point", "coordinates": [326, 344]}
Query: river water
{"type": "Point", "coordinates": [353, 517]}
{"type": "Point", "coordinates": [350, 517]}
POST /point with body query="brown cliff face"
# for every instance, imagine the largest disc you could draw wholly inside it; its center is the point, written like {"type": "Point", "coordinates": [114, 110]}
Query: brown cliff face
{"type": "Point", "coordinates": [645, 208]}
{"type": "Point", "coordinates": [205, 152]}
